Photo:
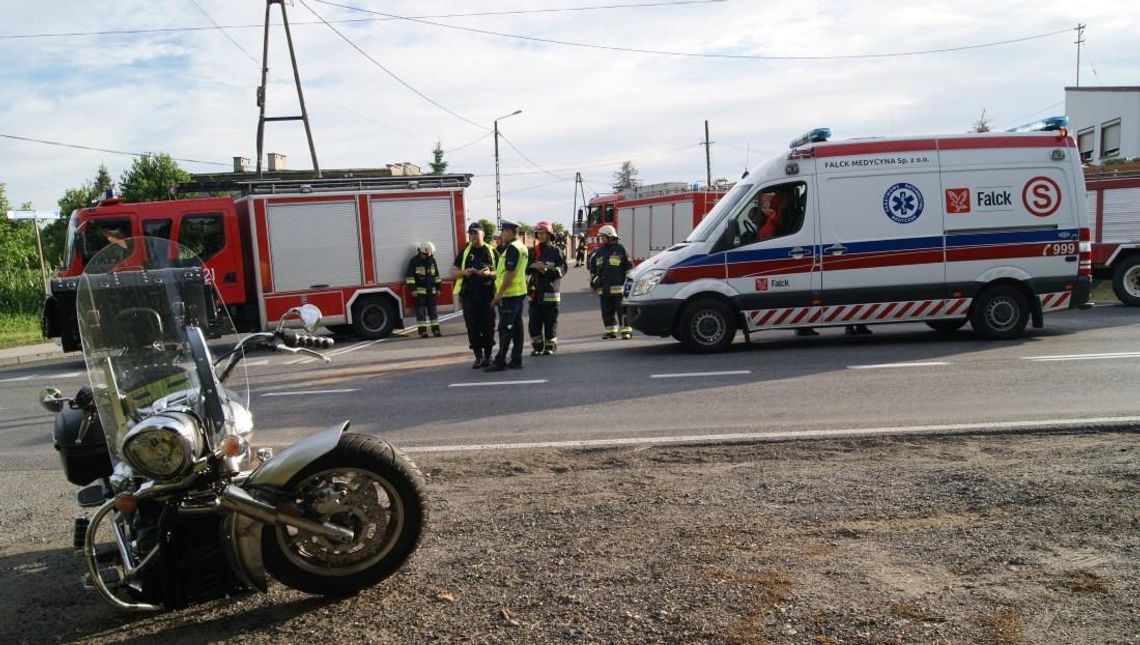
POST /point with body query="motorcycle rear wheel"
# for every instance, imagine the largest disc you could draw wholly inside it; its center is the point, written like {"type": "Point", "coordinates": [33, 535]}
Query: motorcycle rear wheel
{"type": "Point", "coordinates": [366, 485]}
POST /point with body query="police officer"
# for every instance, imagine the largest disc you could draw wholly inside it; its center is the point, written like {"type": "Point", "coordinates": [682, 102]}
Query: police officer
{"type": "Point", "coordinates": [474, 274]}
{"type": "Point", "coordinates": [510, 294]}
{"type": "Point", "coordinates": [546, 266]}
{"type": "Point", "coordinates": [608, 266]}
{"type": "Point", "coordinates": [423, 278]}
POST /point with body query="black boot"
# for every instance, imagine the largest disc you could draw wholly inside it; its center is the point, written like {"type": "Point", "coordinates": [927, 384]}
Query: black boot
{"type": "Point", "coordinates": [486, 357]}
{"type": "Point", "coordinates": [478, 359]}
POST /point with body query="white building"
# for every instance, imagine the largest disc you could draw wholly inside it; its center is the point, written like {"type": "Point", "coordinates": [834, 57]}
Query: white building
{"type": "Point", "coordinates": [1105, 120]}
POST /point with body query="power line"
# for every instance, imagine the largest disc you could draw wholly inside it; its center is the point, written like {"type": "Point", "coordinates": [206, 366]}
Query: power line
{"type": "Point", "coordinates": [107, 150]}
{"type": "Point", "coordinates": [528, 159]}
{"type": "Point", "coordinates": [1025, 119]}
{"type": "Point", "coordinates": [390, 72]}
{"type": "Point", "coordinates": [634, 50]}
{"type": "Point", "coordinates": [469, 143]}
{"type": "Point", "coordinates": [223, 30]}
{"type": "Point", "coordinates": [164, 30]}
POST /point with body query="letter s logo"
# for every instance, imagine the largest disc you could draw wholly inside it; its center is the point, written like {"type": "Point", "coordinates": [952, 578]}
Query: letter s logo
{"type": "Point", "coordinates": [1041, 196]}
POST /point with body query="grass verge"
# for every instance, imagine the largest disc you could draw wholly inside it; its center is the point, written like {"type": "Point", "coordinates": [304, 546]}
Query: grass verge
{"type": "Point", "coordinates": [19, 329]}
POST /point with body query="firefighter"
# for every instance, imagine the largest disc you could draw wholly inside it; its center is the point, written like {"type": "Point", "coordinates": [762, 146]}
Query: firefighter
{"type": "Point", "coordinates": [474, 273]}
{"type": "Point", "coordinates": [608, 266]}
{"type": "Point", "coordinates": [510, 294]}
{"type": "Point", "coordinates": [546, 266]}
{"type": "Point", "coordinates": [424, 280]}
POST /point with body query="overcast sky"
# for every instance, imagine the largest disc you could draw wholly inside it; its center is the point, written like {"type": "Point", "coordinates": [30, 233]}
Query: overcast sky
{"type": "Point", "coordinates": [181, 86]}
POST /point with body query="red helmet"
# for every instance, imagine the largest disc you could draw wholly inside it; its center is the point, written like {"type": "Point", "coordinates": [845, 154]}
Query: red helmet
{"type": "Point", "coordinates": [543, 226]}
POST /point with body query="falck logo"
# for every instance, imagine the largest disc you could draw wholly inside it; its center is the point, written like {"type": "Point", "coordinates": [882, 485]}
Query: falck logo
{"type": "Point", "coordinates": [903, 203]}
{"type": "Point", "coordinates": [957, 201]}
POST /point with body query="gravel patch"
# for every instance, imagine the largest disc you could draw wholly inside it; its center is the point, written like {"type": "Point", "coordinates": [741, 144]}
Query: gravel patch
{"type": "Point", "coordinates": [994, 539]}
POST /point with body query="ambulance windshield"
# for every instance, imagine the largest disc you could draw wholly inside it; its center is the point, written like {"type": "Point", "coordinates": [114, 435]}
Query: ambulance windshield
{"type": "Point", "coordinates": [727, 204]}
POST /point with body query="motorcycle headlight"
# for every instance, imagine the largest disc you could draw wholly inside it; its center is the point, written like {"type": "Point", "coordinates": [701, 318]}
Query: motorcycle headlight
{"type": "Point", "coordinates": [647, 282]}
{"type": "Point", "coordinates": [163, 446]}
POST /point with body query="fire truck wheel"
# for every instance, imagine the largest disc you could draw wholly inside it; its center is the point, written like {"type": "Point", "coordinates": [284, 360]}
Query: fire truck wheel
{"type": "Point", "coordinates": [946, 326]}
{"type": "Point", "coordinates": [1000, 313]}
{"type": "Point", "coordinates": [707, 326]}
{"type": "Point", "coordinates": [373, 318]}
{"type": "Point", "coordinates": [1126, 281]}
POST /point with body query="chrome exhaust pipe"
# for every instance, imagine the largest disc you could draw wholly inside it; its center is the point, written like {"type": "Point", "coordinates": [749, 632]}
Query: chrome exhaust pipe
{"type": "Point", "coordinates": [236, 499]}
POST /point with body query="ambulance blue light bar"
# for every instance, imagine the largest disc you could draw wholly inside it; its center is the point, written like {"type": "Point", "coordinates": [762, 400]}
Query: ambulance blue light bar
{"type": "Point", "coordinates": [1044, 125]}
{"type": "Point", "coordinates": [812, 136]}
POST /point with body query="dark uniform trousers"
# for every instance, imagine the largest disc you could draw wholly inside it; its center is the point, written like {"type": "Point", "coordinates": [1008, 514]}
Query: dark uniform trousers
{"type": "Point", "coordinates": [543, 325]}
{"type": "Point", "coordinates": [613, 315]}
{"type": "Point", "coordinates": [479, 315]}
{"type": "Point", "coordinates": [510, 329]}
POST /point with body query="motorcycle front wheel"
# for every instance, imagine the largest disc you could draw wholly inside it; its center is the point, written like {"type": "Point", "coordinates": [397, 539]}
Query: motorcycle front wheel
{"type": "Point", "coordinates": [367, 486]}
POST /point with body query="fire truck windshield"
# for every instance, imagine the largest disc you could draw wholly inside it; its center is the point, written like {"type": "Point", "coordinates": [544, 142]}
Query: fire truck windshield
{"type": "Point", "coordinates": [727, 204]}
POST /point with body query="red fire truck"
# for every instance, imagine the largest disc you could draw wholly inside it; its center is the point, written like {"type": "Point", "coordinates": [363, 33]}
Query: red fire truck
{"type": "Point", "coordinates": [650, 219]}
{"type": "Point", "coordinates": [1114, 215]}
{"type": "Point", "coordinates": [341, 244]}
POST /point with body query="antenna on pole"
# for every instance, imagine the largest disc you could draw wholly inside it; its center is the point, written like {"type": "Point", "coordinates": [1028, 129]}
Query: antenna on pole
{"type": "Point", "coordinates": [1080, 39]}
{"type": "Point", "coordinates": [261, 119]}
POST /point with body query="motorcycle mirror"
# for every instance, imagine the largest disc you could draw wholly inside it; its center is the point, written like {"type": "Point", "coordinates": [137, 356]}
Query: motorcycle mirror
{"type": "Point", "coordinates": [52, 399]}
{"type": "Point", "coordinates": [310, 317]}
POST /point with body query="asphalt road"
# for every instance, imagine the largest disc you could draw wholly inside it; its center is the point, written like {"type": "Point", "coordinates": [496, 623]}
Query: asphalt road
{"type": "Point", "coordinates": [422, 393]}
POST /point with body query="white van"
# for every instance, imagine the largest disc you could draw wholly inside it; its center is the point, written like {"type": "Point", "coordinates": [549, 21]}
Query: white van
{"type": "Point", "coordinates": [989, 229]}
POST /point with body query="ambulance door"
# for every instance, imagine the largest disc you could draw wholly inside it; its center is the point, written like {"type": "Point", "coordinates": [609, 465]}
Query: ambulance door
{"type": "Point", "coordinates": [881, 241]}
{"type": "Point", "coordinates": [773, 266]}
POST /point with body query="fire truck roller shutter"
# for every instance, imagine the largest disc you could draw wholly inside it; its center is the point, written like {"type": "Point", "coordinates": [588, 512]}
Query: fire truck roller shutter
{"type": "Point", "coordinates": [400, 225]}
{"type": "Point", "coordinates": [313, 243]}
{"type": "Point", "coordinates": [682, 220]}
{"type": "Point", "coordinates": [1121, 217]}
{"type": "Point", "coordinates": [638, 245]}
{"type": "Point", "coordinates": [661, 230]}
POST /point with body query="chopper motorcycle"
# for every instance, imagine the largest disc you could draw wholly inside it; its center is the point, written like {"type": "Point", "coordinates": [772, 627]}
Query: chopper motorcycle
{"type": "Point", "coordinates": [185, 510]}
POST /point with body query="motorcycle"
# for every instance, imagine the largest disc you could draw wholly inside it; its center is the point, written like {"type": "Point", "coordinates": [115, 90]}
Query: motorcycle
{"type": "Point", "coordinates": [186, 510]}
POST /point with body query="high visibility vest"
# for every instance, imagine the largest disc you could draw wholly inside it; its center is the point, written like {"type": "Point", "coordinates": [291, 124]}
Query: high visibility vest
{"type": "Point", "coordinates": [463, 264]}
{"type": "Point", "coordinates": [517, 287]}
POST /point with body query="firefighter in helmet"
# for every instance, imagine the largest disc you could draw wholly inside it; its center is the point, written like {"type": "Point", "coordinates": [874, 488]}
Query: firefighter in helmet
{"type": "Point", "coordinates": [608, 266]}
{"type": "Point", "coordinates": [545, 269]}
{"type": "Point", "coordinates": [423, 279]}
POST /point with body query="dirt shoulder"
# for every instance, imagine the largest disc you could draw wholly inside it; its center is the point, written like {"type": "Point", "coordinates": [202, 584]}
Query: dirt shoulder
{"type": "Point", "coordinates": [995, 539]}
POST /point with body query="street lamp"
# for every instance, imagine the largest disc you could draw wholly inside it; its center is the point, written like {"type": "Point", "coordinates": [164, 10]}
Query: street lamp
{"type": "Point", "coordinates": [498, 201]}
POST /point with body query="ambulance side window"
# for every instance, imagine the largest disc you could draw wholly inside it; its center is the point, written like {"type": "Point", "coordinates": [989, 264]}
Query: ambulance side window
{"type": "Point", "coordinates": [776, 211]}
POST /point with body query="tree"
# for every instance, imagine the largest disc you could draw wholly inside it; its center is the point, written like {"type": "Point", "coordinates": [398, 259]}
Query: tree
{"type": "Point", "coordinates": [626, 177]}
{"type": "Point", "coordinates": [20, 288]}
{"type": "Point", "coordinates": [982, 124]}
{"type": "Point", "coordinates": [438, 165]}
{"type": "Point", "coordinates": [488, 229]}
{"type": "Point", "coordinates": [86, 194]}
{"type": "Point", "coordinates": [152, 178]}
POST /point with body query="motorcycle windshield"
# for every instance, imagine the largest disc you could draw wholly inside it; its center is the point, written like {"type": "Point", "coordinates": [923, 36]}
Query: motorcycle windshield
{"type": "Point", "coordinates": [145, 307]}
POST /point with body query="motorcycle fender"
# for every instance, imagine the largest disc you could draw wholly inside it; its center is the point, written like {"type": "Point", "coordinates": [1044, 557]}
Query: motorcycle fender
{"type": "Point", "coordinates": [282, 466]}
{"type": "Point", "coordinates": [242, 535]}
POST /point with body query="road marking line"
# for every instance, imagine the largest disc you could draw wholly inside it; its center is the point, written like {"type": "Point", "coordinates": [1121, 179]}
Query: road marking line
{"type": "Point", "coordinates": [17, 378]}
{"type": "Point", "coordinates": [67, 375]}
{"type": "Point", "coordinates": [887, 365]}
{"type": "Point", "coordinates": [264, 361]}
{"type": "Point", "coordinates": [956, 428]}
{"type": "Point", "coordinates": [303, 392]}
{"type": "Point", "coordinates": [1081, 357]}
{"type": "Point", "coordinates": [687, 374]}
{"type": "Point", "coordinates": [353, 348]}
{"type": "Point", "coordinates": [485, 383]}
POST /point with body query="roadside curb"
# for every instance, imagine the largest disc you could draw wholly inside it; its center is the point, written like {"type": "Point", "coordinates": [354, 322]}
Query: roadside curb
{"type": "Point", "coordinates": [39, 357]}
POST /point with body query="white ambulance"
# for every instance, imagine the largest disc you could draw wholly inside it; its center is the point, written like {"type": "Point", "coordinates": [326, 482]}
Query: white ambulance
{"type": "Point", "coordinates": [990, 229]}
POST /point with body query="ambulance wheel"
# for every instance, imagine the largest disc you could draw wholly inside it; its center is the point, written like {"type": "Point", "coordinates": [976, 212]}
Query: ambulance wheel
{"type": "Point", "coordinates": [946, 326]}
{"type": "Point", "coordinates": [707, 326]}
{"type": "Point", "coordinates": [1126, 281]}
{"type": "Point", "coordinates": [1000, 313]}
{"type": "Point", "coordinates": [373, 318]}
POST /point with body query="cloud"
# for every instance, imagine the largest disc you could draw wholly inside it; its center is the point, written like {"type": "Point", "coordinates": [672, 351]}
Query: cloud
{"type": "Point", "coordinates": [191, 93]}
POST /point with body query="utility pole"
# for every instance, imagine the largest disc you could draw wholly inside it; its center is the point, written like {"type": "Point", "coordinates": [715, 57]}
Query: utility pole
{"type": "Point", "coordinates": [498, 199]}
{"type": "Point", "coordinates": [708, 158]}
{"type": "Point", "coordinates": [579, 226]}
{"type": "Point", "coordinates": [1080, 39]}
{"type": "Point", "coordinates": [304, 116]}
